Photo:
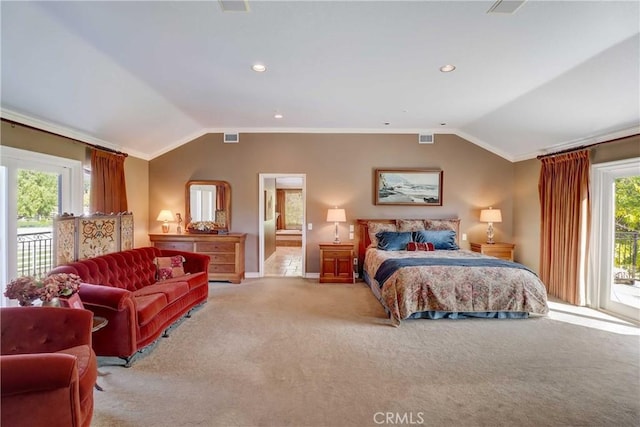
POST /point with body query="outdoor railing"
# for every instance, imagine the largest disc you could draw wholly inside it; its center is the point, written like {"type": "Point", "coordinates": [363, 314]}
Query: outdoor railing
{"type": "Point", "coordinates": [625, 255]}
{"type": "Point", "coordinates": [35, 253]}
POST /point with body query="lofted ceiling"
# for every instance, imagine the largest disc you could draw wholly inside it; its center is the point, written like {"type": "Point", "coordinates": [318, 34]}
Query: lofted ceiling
{"type": "Point", "coordinates": [146, 77]}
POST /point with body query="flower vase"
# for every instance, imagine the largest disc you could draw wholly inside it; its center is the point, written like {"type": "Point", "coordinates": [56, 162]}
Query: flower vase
{"type": "Point", "coordinates": [55, 302]}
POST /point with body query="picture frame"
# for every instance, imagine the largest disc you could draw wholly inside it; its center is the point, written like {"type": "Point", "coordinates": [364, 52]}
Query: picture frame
{"type": "Point", "coordinates": [408, 187]}
{"type": "Point", "coordinates": [269, 207]}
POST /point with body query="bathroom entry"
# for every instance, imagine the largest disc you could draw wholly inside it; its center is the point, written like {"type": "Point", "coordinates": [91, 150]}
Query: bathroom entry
{"type": "Point", "coordinates": [282, 219]}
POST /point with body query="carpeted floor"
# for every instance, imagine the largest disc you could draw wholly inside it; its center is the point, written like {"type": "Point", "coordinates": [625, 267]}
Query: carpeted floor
{"type": "Point", "coordinates": [291, 352]}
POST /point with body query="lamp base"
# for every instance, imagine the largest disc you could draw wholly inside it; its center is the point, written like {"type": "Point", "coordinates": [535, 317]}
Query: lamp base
{"type": "Point", "coordinates": [336, 241]}
{"type": "Point", "coordinates": [490, 234]}
{"type": "Point", "coordinates": [165, 227]}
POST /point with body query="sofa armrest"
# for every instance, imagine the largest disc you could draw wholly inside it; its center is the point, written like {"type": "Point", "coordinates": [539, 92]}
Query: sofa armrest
{"type": "Point", "coordinates": [119, 337]}
{"type": "Point", "coordinates": [40, 389]}
{"type": "Point", "coordinates": [194, 262]}
{"type": "Point", "coordinates": [104, 295]}
{"type": "Point", "coordinates": [36, 372]}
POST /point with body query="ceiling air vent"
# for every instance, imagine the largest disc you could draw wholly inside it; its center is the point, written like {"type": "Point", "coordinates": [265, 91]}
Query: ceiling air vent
{"type": "Point", "coordinates": [506, 6]}
{"type": "Point", "coordinates": [234, 5]}
{"type": "Point", "coordinates": [425, 138]}
{"type": "Point", "coordinates": [231, 138]}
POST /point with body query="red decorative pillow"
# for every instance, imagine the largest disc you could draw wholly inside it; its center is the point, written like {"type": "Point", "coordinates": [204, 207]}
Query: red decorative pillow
{"type": "Point", "coordinates": [170, 266]}
{"type": "Point", "coordinates": [419, 246]}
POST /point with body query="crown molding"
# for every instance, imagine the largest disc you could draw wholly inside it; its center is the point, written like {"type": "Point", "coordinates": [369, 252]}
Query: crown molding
{"type": "Point", "coordinates": [590, 140]}
{"type": "Point", "coordinates": [67, 132]}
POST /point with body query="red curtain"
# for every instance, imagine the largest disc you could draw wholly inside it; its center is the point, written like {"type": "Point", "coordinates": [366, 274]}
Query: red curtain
{"type": "Point", "coordinates": [108, 190]}
{"type": "Point", "coordinates": [565, 216]}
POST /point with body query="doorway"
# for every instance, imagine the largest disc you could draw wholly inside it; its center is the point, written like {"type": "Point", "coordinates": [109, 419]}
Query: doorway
{"type": "Point", "coordinates": [282, 218]}
{"type": "Point", "coordinates": [616, 230]}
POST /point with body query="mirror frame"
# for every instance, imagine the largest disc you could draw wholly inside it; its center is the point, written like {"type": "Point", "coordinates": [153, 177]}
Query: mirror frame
{"type": "Point", "coordinates": [227, 198]}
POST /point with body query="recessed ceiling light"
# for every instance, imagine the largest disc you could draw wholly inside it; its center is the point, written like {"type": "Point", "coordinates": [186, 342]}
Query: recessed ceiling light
{"type": "Point", "coordinates": [447, 68]}
{"type": "Point", "coordinates": [278, 116]}
{"type": "Point", "coordinates": [259, 68]}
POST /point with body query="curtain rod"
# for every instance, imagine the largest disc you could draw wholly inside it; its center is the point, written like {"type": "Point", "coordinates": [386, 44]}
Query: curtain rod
{"type": "Point", "coordinates": [97, 147]}
{"type": "Point", "coordinates": [583, 147]}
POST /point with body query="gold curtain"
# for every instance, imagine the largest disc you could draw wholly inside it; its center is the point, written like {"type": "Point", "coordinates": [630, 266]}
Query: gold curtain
{"type": "Point", "coordinates": [281, 208]}
{"type": "Point", "coordinates": [565, 216]}
{"type": "Point", "coordinates": [108, 190]}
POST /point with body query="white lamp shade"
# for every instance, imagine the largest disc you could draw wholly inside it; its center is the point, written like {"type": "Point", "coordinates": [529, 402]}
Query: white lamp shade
{"type": "Point", "coordinates": [490, 215]}
{"type": "Point", "coordinates": [336, 215]}
{"type": "Point", "coordinates": [165, 215]}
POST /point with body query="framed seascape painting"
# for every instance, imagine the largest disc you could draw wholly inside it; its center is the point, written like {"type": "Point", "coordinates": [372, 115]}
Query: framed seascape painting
{"type": "Point", "coordinates": [415, 187]}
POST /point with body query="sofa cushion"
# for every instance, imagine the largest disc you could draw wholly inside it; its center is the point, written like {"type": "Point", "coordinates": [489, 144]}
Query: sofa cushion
{"type": "Point", "coordinates": [194, 280]}
{"type": "Point", "coordinates": [171, 290]}
{"type": "Point", "coordinates": [147, 306]}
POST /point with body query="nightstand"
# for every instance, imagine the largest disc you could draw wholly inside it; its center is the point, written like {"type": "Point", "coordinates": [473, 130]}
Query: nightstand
{"type": "Point", "coordinates": [336, 263]}
{"type": "Point", "coordinates": [498, 250]}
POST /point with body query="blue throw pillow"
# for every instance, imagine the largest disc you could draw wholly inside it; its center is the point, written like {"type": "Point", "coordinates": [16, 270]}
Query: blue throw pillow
{"type": "Point", "coordinates": [441, 239]}
{"type": "Point", "coordinates": [393, 241]}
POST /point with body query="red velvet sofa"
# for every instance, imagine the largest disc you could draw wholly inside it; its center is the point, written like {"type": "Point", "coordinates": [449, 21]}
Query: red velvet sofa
{"type": "Point", "coordinates": [122, 287]}
{"type": "Point", "coordinates": [47, 367]}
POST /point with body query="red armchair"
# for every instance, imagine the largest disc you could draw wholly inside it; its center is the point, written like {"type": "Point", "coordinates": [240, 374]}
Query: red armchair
{"type": "Point", "coordinates": [47, 367]}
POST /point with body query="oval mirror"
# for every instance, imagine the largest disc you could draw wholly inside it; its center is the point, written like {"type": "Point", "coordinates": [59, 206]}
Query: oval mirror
{"type": "Point", "coordinates": [208, 201]}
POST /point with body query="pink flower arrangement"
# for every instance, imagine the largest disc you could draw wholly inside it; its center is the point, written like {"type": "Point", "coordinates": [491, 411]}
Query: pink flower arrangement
{"type": "Point", "coordinates": [27, 289]}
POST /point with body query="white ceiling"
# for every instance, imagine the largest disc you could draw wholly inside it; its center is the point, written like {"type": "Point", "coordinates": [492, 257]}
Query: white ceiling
{"type": "Point", "coordinates": [146, 77]}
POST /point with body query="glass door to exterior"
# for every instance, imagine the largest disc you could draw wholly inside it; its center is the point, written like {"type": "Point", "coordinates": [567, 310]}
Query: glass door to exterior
{"type": "Point", "coordinates": [615, 268]}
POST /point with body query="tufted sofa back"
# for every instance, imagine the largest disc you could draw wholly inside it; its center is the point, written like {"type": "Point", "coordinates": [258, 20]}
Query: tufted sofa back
{"type": "Point", "coordinates": [131, 270]}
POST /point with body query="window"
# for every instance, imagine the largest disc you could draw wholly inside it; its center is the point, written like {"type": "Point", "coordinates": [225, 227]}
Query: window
{"type": "Point", "coordinates": [293, 210]}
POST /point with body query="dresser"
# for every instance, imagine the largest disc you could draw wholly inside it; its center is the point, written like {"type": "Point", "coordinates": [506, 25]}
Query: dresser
{"type": "Point", "coordinates": [225, 250]}
{"type": "Point", "coordinates": [498, 250]}
{"type": "Point", "coordinates": [336, 262]}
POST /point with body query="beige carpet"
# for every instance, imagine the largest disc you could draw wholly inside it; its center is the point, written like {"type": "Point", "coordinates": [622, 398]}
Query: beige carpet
{"type": "Point", "coordinates": [291, 352]}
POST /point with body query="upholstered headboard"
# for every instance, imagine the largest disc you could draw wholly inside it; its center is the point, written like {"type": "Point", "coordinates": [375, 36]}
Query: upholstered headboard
{"type": "Point", "coordinates": [363, 239]}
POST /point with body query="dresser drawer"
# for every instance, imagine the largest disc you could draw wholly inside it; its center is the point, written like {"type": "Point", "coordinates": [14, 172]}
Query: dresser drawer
{"type": "Point", "coordinates": [222, 258]}
{"type": "Point", "coordinates": [215, 247]}
{"type": "Point", "coordinates": [222, 268]}
{"type": "Point", "coordinates": [175, 246]}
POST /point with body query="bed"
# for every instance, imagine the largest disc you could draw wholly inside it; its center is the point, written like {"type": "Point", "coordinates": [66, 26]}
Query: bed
{"type": "Point", "coordinates": [436, 279]}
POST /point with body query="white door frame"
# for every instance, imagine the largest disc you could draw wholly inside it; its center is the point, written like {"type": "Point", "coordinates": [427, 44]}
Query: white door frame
{"type": "Point", "coordinates": [261, 203]}
{"type": "Point", "coordinates": [603, 232]}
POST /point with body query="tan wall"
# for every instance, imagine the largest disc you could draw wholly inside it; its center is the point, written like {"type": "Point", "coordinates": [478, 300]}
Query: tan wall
{"type": "Point", "coordinates": [526, 225]}
{"type": "Point", "coordinates": [527, 203]}
{"type": "Point", "coordinates": [339, 171]}
{"type": "Point", "coordinates": [136, 170]}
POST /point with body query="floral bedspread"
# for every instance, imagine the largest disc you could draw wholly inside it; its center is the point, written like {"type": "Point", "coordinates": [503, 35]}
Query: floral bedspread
{"type": "Point", "coordinates": [455, 288]}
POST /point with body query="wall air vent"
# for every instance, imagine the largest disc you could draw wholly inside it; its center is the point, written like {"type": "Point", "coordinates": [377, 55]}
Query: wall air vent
{"type": "Point", "coordinates": [231, 138]}
{"type": "Point", "coordinates": [425, 138]}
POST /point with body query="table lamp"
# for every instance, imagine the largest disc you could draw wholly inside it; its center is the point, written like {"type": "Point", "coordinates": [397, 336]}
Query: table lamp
{"type": "Point", "coordinates": [165, 215]}
{"type": "Point", "coordinates": [336, 215]}
{"type": "Point", "coordinates": [490, 215]}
